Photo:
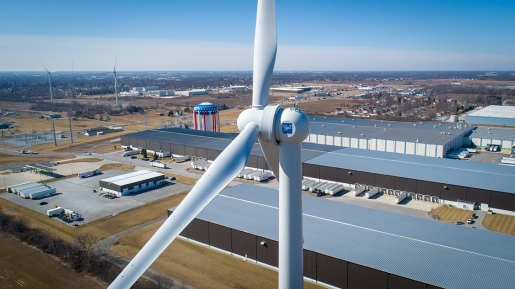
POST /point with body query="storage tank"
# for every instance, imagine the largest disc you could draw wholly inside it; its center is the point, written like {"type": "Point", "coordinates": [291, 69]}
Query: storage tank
{"type": "Point", "coordinates": [206, 117]}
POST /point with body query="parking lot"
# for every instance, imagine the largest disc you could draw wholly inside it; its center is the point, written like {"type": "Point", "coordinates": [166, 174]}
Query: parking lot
{"type": "Point", "coordinates": [77, 194]}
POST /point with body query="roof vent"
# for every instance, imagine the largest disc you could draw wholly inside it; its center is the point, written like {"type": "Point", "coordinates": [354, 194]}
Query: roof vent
{"type": "Point", "coordinates": [325, 117]}
{"type": "Point", "coordinates": [323, 125]}
{"type": "Point", "coordinates": [414, 124]}
{"type": "Point", "coordinates": [385, 129]}
{"type": "Point", "coordinates": [343, 121]}
{"type": "Point", "coordinates": [362, 135]}
{"type": "Point", "coordinates": [449, 133]}
{"type": "Point", "coordinates": [375, 125]}
{"type": "Point", "coordinates": [417, 140]}
{"type": "Point", "coordinates": [339, 132]}
{"type": "Point", "coordinates": [353, 126]}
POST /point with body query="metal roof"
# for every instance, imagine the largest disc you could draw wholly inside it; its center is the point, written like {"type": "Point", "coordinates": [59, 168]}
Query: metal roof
{"type": "Point", "coordinates": [494, 133]}
{"type": "Point", "coordinates": [497, 111]}
{"type": "Point", "coordinates": [424, 132]}
{"type": "Point", "coordinates": [133, 177]}
{"type": "Point", "coordinates": [429, 251]}
{"type": "Point", "coordinates": [217, 141]}
{"type": "Point", "coordinates": [455, 172]}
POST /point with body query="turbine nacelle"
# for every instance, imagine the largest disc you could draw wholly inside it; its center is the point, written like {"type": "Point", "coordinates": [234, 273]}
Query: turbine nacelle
{"type": "Point", "coordinates": [277, 124]}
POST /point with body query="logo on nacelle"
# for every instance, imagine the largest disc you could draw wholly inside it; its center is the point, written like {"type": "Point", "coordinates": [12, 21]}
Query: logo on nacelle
{"type": "Point", "coordinates": [288, 128]}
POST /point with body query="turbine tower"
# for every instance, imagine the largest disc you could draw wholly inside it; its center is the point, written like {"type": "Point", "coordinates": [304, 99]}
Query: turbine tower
{"type": "Point", "coordinates": [50, 82]}
{"type": "Point", "coordinates": [115, 82]}
{"type": "Point", "coordinates": [280, 132]}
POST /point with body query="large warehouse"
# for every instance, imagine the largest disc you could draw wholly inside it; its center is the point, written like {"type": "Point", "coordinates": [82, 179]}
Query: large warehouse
{"type": "Point", "coordinates": [132, 182]}
{"type": "Point", "coordinates": [485, 136]}
{"type": "Point", "coordinates": [421, 138]}
{"type": "Point", "coordinates": [492, 114]}
{"type": "Point", "coordinates": [441, 180]}
{"type": "Point", "coordinates": [350, 246]}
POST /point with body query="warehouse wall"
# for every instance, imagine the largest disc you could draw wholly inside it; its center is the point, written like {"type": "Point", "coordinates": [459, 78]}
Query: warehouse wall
{"type": "Point", "coordinates": [412, 148]}
{"type": "Point", "coordinates": [497, 200]}
{"type": "Point", "coordinates": [319, 267]}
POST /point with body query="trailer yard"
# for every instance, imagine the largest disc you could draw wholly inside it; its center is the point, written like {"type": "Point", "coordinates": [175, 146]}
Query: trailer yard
{"type": "Point", "coordinates": [77, 194]}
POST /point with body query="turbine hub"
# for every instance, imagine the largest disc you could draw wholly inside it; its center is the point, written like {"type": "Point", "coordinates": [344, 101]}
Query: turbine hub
{"type": "Point", "coordinates": [277, 124]}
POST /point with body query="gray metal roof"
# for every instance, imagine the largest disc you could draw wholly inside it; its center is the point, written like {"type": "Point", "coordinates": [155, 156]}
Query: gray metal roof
{"type": "Point", "coordinates": [218, 141]}
{"type": "Point", "coordinates": [494, 133]}
{"type": "Point", "coordinates": [424, 132]}
{"type": "Point", "coordinates": [429, 251]}
{"type": "Point", "coordinates": [455, 172]}
{"type": "Point", "coordinates": [495, 111]}
{"type": "Point", "coordinates": [132, 177]}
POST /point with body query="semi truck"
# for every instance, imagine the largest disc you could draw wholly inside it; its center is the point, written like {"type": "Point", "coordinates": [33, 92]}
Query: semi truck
{"type": "Point", "coordinates": [88, 173]}
{"type": "Point", "coordinates": [158, 164]}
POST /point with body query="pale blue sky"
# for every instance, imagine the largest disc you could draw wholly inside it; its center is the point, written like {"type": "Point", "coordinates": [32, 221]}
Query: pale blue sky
{"type": "Point", "coordinates": [218, 35]}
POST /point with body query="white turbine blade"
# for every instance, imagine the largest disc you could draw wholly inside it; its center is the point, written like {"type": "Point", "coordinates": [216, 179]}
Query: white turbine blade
{"type": "Point", "coordinates": [226, 167]}
{"type": "Point", "coordinates": [44, 67]}
{"type": "Point", "coordinates": [271, 153]}
{"type": "Point", "coordinates": [265, 48]}
{"type": "Point", "coordinates": [114, 69]}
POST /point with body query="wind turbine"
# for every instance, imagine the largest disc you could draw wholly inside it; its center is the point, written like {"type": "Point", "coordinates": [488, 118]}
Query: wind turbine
{"type": "Point", "coordinates": [49, 81]}
{"type": "Point", "coordinates": [115, 82]}
{"type": "Point", "coordinates": [280, 132]}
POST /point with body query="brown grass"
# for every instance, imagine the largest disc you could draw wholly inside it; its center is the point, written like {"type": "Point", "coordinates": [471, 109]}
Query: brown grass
{"type": "Point", "coordinates": [117, 166]}
{"type": "Point", "coordinates": [79, 145]}
{"type": "Point", "coordinates": [199, 266]}
{"type": "Point", "coordinates": [500, 223]}
{"type": "Point", "coordinates": [25, 267]}
{"type": "Point", "coordinates": [84, 160]}
{"type": "Point", "coordinates": [22, 159]}
{"type": "Point", "coordinates": [451, 215]}
{"type": "Point", "coordinates": [33, 123]}
{"type": "Point", "coordinates": [181, 179]}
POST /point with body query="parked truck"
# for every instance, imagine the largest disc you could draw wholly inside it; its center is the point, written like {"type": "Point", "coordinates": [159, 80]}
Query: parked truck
{"type": "Point", "coordinates": [130, 153]}
{"type": "Point", "coordinates": [54, 211]}
{"type": "Point", "coordinates": [158, 164]}
{"type": "Point", "coordinates": [88, 173]}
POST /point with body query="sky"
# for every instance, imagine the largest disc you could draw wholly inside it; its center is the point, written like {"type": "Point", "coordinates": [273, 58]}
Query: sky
{"type": "Point", "coordinates": [331, 35]}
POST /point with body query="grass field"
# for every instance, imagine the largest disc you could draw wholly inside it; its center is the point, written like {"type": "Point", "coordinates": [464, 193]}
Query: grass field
{"type": "Point", "coordinates": [199, 266]}
{"type": "Point", "coordinates": [24, 267]}
{"type": "Point", "coordinates": [451, 215]}
{"type": "Point", "coordinates": [181, 179]}
{"type": "Point", "coordinates": [22, 159]}
{"type": "Point", "coordinates": [83, 160]}
{"type": "Point", "coordinates": [500, 223]}
{"type": "Point", "coordinates": [30, 123]}
{"type": "Point", "coordinates": [117, 166]}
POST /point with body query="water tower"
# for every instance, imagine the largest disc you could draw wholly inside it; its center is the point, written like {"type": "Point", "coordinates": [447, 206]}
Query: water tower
{"type": "Point", "coordinates": [206, 117]}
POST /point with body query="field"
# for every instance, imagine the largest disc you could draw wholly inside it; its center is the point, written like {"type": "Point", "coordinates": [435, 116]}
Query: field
{"type": "Point", "coordinates": [500, 223]}
{"type": "Point", "coordinates": [25, 267]}
{"type": "Point", "coordinates": [451, 215]}
{"type": "Point", "coordinates": [30, 123]}
{"type": "Point", "coordinates": [199, 266]}
{"type": "Point", "coordinates": [22, 159]}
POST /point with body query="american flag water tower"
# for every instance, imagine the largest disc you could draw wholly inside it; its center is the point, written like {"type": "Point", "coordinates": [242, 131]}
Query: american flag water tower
{"type": "Point", "coordinates": [206, 117]}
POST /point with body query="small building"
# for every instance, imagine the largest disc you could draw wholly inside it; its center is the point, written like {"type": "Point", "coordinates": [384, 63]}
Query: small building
{"type": "Point", "coordinates": [132, 182]}
{"type": "Point", "coordinates": [192, 92]}
{"type": "Point", "coordinates": [466, 205]}
{"type": "Point", "coordinates": [206, 117]}
{"type": "Point", "coordinates": [54, 116]}
{"type": "Point", "coordinates": [101, 130]}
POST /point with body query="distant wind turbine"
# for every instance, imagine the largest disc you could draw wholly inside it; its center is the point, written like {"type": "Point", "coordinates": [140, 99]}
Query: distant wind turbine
{"type": "Point", "coordinates": [49, 81]}
{"type": "Point", "coordinates": [115, 82]}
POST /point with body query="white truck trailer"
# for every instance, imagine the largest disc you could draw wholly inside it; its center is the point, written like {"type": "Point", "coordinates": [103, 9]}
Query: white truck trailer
{"type": "Point", "coordinates": [88, 173]}
{"type": "Point", "coordinates": [54, 211]}
{"type": "Point", "coordinates": [157, 164]}
{"type": "Point", "coordinates": [130, 153]}
{"type": "Point", "coordinates": [400, 197]}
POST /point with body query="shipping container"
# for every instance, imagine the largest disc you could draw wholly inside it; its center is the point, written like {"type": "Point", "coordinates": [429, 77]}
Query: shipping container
{"type": "Point", "coordinates": [358, 191]}
{"type": "Point", "coordinates": [334, 190]}
{"type": "Point", "coordinates": [158, 164]}
{"type": "Point", "coordinates": [54, 211]}
{"type": "Point", "coordinates": [42, 193]}
{"type": "Point", "coordinates": [88, 173]}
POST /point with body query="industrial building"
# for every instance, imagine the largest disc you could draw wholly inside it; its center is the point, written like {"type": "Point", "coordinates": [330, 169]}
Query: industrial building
{"type": "Point", "coordinates": [297, 90]}
{"type": "Point", "coordinates": [421, 138]}
{"type": "Point", "coordinates": [485, 136]}
{"type": "Point", "coordinates": [492, 114]}
{"type": "Point", "coordinates": [349, 246]}
{"type": "Point", "coordinates": [132, 182]}
{"type": "Point", "coordinates": [489, 186]}
{"type": "Point", "coordinates": [206, 117]}
{"type": "Point", "coordinates": [192, 92]}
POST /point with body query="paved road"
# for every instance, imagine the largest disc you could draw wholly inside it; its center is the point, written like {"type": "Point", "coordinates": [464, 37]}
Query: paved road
{"type": "Point", "coordinates": [103, 248]}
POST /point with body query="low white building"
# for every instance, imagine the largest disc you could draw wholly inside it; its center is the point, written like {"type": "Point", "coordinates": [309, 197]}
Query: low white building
{"type": "Point", "coordinates": [192, 92]}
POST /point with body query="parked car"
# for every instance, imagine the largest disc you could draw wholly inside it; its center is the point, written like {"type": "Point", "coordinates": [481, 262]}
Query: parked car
{"type": "Point", "coordinates": [43, 203]}
{"type": "Point", "coordinates": [470, 221]}
{"type": "Point", "coordinates": [459, 223]}
{"type": "Point", "coordinates": [133, 157]}
{"type": "Point", "coordinates": [88, 153]}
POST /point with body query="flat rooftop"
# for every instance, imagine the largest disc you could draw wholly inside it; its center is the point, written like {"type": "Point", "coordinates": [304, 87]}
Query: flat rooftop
{"type": "Point", "coordinates": [494, 133]}
{"type": "Point", "coordinates": [132, 177]}
{"type": "Point", "coordinates": [423, 132]}
{"type": "Point", "coordinates": [499, 111]}
{"type": "Point", "coordinates": [428, 251]}
{"type": "Point", "coordinates": [456, 172]}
